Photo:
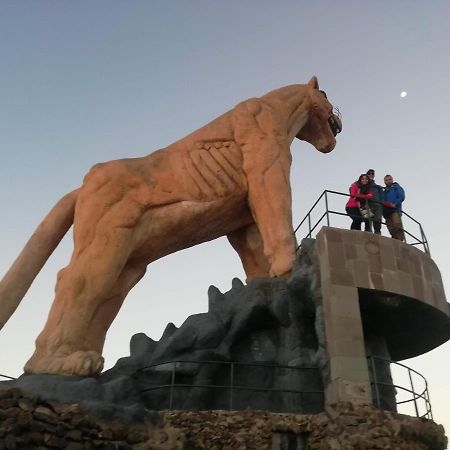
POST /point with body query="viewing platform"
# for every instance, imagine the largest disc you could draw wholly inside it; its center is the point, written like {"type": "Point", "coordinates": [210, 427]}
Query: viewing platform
{"type": "Point", "coordinates": [382, 298]}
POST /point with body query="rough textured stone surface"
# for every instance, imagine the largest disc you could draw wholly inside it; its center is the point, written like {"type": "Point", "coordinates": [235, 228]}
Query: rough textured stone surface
{"type": "Point", "coordinates": [343, 427]}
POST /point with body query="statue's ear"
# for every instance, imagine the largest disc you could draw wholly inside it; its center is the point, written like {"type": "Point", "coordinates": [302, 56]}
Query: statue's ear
{"type": "Point", "coordinates": [313, 82]}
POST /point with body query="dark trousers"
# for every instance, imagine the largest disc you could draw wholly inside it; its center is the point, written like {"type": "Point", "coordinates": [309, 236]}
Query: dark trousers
{"type": "Point", "coordinates": [355, 215]}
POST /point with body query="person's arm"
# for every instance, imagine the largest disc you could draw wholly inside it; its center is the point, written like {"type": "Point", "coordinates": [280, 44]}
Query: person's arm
{"type": "Point", "coordinates": [400, 197]}
{"type": "Point", "coordinates": [381, 193]}
{"type": "Point", "coordinates": [354, 190]}
{"type": "Point", "coordinates": [365, 196]}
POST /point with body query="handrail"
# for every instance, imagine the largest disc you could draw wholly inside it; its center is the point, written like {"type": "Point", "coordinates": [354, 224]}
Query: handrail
{"type": "Point", "coordinates": [231, 385]}
{"type": "Point", "coordinates": [225, 363]}
{"type": "Point", "coordinates": [309, 212]}
{"type": "Point", "coordinates": [414, 240]}
{"type": "Point", "coordinates": [7, 376]}
{"type": "Point", "coordinates": [421, 396]}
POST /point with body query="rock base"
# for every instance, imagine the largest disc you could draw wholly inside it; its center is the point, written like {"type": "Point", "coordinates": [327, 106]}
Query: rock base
{"type": "Point", "coordinates": [26, 422]}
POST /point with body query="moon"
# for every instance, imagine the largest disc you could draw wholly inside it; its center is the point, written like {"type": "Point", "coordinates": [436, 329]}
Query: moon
{"type": "Point", "coordinates": [403, 94]}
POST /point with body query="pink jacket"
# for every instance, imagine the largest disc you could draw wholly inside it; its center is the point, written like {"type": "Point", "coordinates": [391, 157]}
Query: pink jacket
{"type": "Point", "coordinates": [353, 202]}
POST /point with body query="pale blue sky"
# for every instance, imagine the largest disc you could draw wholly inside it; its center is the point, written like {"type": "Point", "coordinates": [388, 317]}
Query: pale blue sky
{"type": "Point", "coordinates": [84, 82]}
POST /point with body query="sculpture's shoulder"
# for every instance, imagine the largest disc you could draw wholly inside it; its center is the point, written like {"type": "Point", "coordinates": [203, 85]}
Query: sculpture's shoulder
{"type": "Point", "coordinates": [278, 101]}
{"type": "Point", "coordinates": [252, 106]}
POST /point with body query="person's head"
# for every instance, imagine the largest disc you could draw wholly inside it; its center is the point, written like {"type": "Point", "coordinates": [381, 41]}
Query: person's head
{"type": "Point", "coordinates": [363, 179]}
{"type": "Point", "coordinates": [371, 174]}
{"type": "Point", "coordinates": [388, 180]}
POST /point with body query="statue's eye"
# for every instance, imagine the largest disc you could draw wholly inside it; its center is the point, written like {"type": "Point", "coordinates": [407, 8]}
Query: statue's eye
{"type": "Point", "coordinates": [324, 94]}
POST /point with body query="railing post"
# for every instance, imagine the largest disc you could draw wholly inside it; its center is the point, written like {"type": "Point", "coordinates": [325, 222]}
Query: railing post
{"type": "Point", "coordinates": [231, 385]}
{"type": "Point", "coordinates": [422, 236]}
{"type": "Point", "coordinates": [414, 392]}
{"type": "Point", "coordinates": [428, 403]}
{"type": "Point", "coordinates": [424, 241]}
{"type": "Point", "coordinates": [375, 382]}
{"type": "Point", "coordinates": [326, 208]}
{"type": "Point", "coordinates": [172, 383]}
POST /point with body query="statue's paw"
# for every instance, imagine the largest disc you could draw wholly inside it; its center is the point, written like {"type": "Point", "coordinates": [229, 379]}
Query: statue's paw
{"type": "Point", "coordinates": [82, 363]}
{"type": "Point", "coordinates": [282, 265]}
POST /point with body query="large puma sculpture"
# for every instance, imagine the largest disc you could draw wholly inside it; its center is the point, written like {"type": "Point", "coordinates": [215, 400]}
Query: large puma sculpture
{"type": "Point", "coordinates": [230, 177]}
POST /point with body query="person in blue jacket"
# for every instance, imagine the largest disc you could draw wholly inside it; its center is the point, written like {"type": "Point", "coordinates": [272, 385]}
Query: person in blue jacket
{"type": "Point", "coordinates": [394, 195]}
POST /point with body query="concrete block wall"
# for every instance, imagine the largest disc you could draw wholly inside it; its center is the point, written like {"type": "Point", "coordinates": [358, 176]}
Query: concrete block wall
{"type": "Point", "coordinates": [352, 260]}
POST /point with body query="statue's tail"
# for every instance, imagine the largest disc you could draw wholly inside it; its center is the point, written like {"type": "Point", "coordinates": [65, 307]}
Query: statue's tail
{"type": "Point", "coordinates": [34, 255]}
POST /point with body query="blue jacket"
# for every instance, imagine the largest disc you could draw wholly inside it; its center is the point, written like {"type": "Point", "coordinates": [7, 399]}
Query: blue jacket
{"type": "Point", "coordinates": [394, 194]}
{"type": "Point", "coordinates": [377, 192]}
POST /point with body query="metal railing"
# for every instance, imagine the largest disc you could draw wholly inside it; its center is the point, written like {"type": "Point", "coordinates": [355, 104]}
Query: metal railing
{"type": "Point", "coordinates": [6, 376]}
{"type": "Point", "coordinates": [231, 386]}
{"type": "Point", "coordinates": [420, 401]}
{"type": "Point", "coordinates": [320, 214]}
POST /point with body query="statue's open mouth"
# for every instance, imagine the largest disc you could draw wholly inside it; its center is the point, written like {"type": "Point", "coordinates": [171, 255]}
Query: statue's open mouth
{"type": "Point", "coordinates": [335, 124]}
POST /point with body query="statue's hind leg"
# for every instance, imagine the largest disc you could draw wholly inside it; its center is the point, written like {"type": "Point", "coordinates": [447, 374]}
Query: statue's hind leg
{"type": "Point", "coordinates": [70, 342]}
{"type": "Point", "coordinates": [87, 360]}
{"type": "Point", "coordinates": [110, 306]}
{"type": "Point", "coordinates": [248, 244]}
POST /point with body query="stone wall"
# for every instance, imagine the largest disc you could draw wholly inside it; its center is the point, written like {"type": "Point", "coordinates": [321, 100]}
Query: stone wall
{"type": "Point", "coordinates": [26, 422]}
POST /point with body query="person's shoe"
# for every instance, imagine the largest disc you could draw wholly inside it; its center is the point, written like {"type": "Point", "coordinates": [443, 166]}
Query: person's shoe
{"type": "Point", "coordinates": [377, 232]}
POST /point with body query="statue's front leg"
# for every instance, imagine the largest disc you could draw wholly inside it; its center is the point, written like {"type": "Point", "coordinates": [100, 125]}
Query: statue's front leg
{"type": "Point", "coordinates": [248, 244]}
{"type": "Point", "coordinates": [261, 134]}
{"type": "Point", "coordinates": [270, 203]}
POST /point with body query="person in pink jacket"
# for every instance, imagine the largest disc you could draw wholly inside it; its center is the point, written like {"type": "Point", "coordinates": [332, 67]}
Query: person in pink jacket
{"type": "Point", "coordinates": [360, 193]}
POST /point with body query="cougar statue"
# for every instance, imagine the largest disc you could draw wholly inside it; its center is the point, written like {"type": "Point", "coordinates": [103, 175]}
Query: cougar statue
{"type": "Point", "coordinates": [230, 177]}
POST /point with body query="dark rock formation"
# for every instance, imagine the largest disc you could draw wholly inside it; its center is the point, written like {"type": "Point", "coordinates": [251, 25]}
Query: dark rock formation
{"type": "Point", "coordinates": [260, 345]}
{"type": "Point", "coordinates": [266, 328]}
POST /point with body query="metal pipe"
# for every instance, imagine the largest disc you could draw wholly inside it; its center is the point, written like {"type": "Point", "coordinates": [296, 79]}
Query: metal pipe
{"type": "Point", "coordinates": [428, 403]}
{"type": "Point", "coordinates": [6, 376]}
{"type": "Point", "coordinates": [326, 206]}
{"type": "Point", "coordinates": [375, 381]}
{"type": "Point", "coordinates": [172, 384]}
{"type": "Point", "coordinates": [309, 212]}
{"type": "Point", "coordinates": [231, 385]}
{"type": "Point", "coordinates": [414, 394]}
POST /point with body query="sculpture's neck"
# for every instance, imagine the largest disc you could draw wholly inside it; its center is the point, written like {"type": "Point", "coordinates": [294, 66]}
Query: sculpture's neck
{"type": "Point", "coordinates": [292, 102]}
{"type": "Point", "coordinates": [298, 118]}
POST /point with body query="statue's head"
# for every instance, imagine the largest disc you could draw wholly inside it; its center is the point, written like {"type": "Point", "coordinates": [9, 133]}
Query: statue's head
{"type": "Point", "coordinates": [323, 124]}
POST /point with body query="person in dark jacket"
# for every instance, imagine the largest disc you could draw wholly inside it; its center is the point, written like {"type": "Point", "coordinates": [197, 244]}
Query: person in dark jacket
{"type": "Point", "coordinates": [394, 195]}
{"type": "Point", "coordinates": [376, 203]}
